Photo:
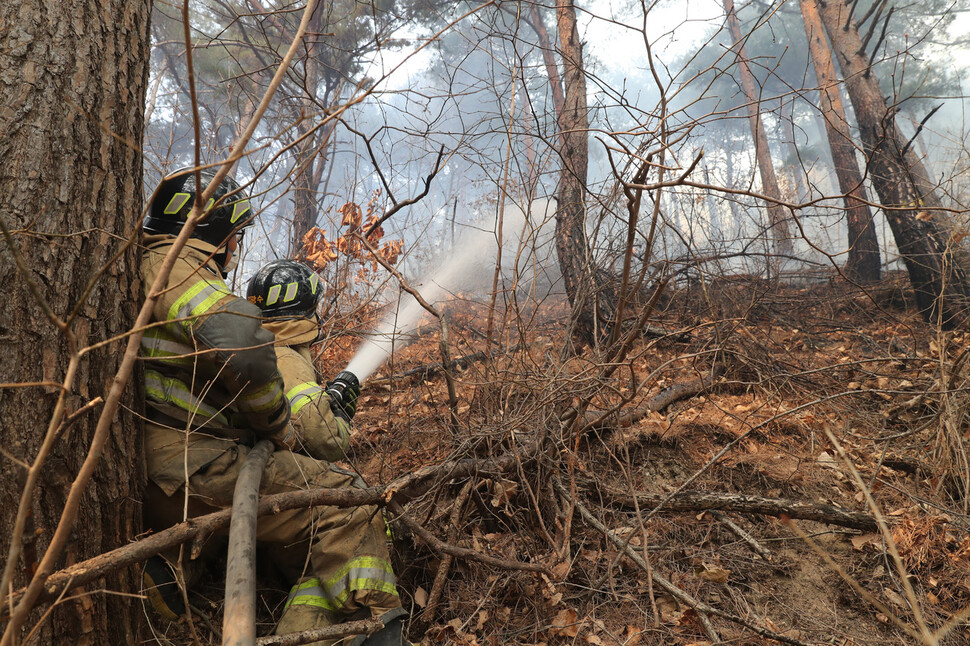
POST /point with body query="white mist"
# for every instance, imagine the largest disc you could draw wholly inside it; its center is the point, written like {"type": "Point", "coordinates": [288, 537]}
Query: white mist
{"type": "Point", "coordinates": [467, 269]}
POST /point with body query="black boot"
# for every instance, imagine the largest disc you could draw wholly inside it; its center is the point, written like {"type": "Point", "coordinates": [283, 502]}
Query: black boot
{"type": "Point", "coordinates": [392, 634]}
{"type": "Point", "coordinates": [161, 587]}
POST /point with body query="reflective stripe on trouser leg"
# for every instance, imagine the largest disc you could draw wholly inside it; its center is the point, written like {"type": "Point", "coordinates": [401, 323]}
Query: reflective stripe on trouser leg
{"type": "Point", "coordinates": [304, 611]}
{"type": "Point", "coordinates": [309, 593]}
{"type": "Point", "coordinates": [362, 573]}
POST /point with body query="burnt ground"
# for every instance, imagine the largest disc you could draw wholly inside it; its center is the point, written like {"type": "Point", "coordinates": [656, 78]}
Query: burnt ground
{"type": "Point", "coordinates": [787, 369]}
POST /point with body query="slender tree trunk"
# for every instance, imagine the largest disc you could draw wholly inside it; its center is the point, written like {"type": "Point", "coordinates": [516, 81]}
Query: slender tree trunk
{"type": "Point", "coordinates": [571, 243]}
{"type": "Point", "coordinates": [729, 177]}
{"type": "Point", "coordinates": [769, 183]}
{"type": "Point", "coordinates": [72, 95]}
{"type": "Point", "coordinates": [863, 263]}
{"type": "Point", "coordinates": [305, 160]}
{"type": "Point", "coordinates": [569, 100]}
{"type": "Point", "coordinates": [926, 237]}
{"type": "Point", "coordinates": [548, 59]}
{"type": "Point", "coordinates": [788, 128]}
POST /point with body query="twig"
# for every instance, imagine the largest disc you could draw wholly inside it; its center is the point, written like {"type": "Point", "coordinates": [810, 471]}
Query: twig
{"type": "Point", "coordinates": [699, 606]}
{"type": "Point", "coordinates": [872, 28]}
{"type": "Point", "coordinates": [462, 552]}
{"type": "Point", "coordinates": [757, 547]}
{"type": "Point", "coordinates": [919, 129]}
{"type": "Point", "coordinates": [882, 36]}
{"type": "Point", "coordinates": [866, 15]}
{"type": "Point", "coordinates": [408, 202]}
{"type": "Point", "coordinates": [427, 615]}
{"type": "Point", "coordinates": [363, 627]}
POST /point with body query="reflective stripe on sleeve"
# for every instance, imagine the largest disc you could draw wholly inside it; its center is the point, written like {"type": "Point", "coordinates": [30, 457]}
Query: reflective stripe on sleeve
{"type": "Point", "coordinates": [159, 343]}
{"type": "Point", "coordinates": [265, 399]}
{"type": "Point", "coordinates": [300, 396]}
{"type": "Point", "coordinates": [169, 390]}
{"type": "Point", "coordinates": [197, 300]}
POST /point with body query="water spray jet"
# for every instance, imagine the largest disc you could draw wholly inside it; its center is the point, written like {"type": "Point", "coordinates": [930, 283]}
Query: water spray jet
{"type": "Point", "coordinates": [462, 270]}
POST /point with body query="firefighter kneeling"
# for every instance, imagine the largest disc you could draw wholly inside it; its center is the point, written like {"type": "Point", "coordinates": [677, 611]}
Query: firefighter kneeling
{"type": "Point", "coordinates": [214, 386]}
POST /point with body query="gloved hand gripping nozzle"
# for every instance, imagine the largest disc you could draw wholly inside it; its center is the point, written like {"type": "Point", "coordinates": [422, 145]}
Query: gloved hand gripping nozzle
{"type": "Point", "coordinates": [343, 392]}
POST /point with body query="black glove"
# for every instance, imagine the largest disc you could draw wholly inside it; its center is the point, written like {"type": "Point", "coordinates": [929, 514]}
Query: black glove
{"type": "Point", "coordinates": [343, 392]}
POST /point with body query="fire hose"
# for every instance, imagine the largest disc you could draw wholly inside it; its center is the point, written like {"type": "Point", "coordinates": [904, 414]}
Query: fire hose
{"type": "Point", "coordinates": [239, 619]}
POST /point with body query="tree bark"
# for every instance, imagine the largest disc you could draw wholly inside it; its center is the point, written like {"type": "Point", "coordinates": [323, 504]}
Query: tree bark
{"type": "Point", "coordinates": [72, 95]}
{"type": "Point", "coordinates": [777, 220]}
{"type": "Point", "coordinates": [863, 262]}
{"type": "Point", "coordinates": [926, 237]}
{"type": "Point", "coordinates": [572, 247]}
{"type": "Point", "coordinates": [572, 119]}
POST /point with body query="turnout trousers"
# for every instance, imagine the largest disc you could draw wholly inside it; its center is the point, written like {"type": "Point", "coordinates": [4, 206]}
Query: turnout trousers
{"type": "Point", "coordinates": [339, 555]}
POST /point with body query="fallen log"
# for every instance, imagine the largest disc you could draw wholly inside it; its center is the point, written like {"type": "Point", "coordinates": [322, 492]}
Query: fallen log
{"type": "Point", "coordinates": [706, 501]}
{"type": "Point", "coordinates": [199, 528]}
{"type": "Point", "coordinates": [596, 419]}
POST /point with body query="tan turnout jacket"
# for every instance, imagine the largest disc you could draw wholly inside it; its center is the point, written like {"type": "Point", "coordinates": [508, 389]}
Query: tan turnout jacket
{"type": "Point", "coordinates": [322, 435]}
{"type": "Point", "coordinates": [211, 379]}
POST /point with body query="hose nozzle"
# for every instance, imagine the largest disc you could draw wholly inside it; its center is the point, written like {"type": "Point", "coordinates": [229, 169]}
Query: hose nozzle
{"type": "Point", "coordinates": [343, 392]}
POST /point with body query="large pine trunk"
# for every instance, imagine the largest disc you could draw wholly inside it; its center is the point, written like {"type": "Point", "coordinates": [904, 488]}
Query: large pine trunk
{"type": "Point", "coordinates": [863, 259]}
{"type": "Point", "coordinates": [777, 221]}
{"type": "Point", "coordinates": [72, 97]}
{"type": "Point", "coordinates": [927, 239]}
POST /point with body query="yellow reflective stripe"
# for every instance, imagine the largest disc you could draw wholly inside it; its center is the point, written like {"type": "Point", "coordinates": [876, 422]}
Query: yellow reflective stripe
{"type": "Point", "coordinates": [266, 398]}
{"type": "Point", "coordinates": [238, 209]}
{"type": "Point", "coordinates": [198, 299]}
{"type": "Point", "coordinates": [290, 292]}
{"type": "Point", "coordinates": [300, 396]}
{"type": "Point", "coordinates": [378, 584]}
{"type": "Point", "coordinates": [273, 295]}
{"type": "Point", "coordinates": [313, 600]}
{"type": "Point", "coordinates": [159, 343]}
{"type": "Point", "coordinates": [309, 593]}
{"type": "Point", "coordinates": [169, 390]}
{"type": "Point", "coordinates": [361, 573]}
{"type": "Point", "coordinates": [176, 203]}
{"type": "Point", "coordinates": [305, 386]}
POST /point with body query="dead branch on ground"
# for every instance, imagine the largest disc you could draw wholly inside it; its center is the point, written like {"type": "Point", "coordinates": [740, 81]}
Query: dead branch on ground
{"type": "Point", "coordinates": [779, 507]}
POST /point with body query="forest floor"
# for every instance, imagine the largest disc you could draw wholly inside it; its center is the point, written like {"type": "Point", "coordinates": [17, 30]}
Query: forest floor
{"type": "Point", "coordinates": [780, 404]}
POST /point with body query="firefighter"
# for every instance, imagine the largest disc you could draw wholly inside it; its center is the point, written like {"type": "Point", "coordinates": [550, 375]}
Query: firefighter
{"type": "Point", "coordinates": [212, 389]}
{"type": "Point", "coordinates": [288, 292]}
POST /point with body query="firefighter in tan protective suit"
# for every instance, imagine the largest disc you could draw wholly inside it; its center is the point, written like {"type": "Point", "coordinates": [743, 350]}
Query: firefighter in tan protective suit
{"type": "Point", "coordinates": [212, 389]}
